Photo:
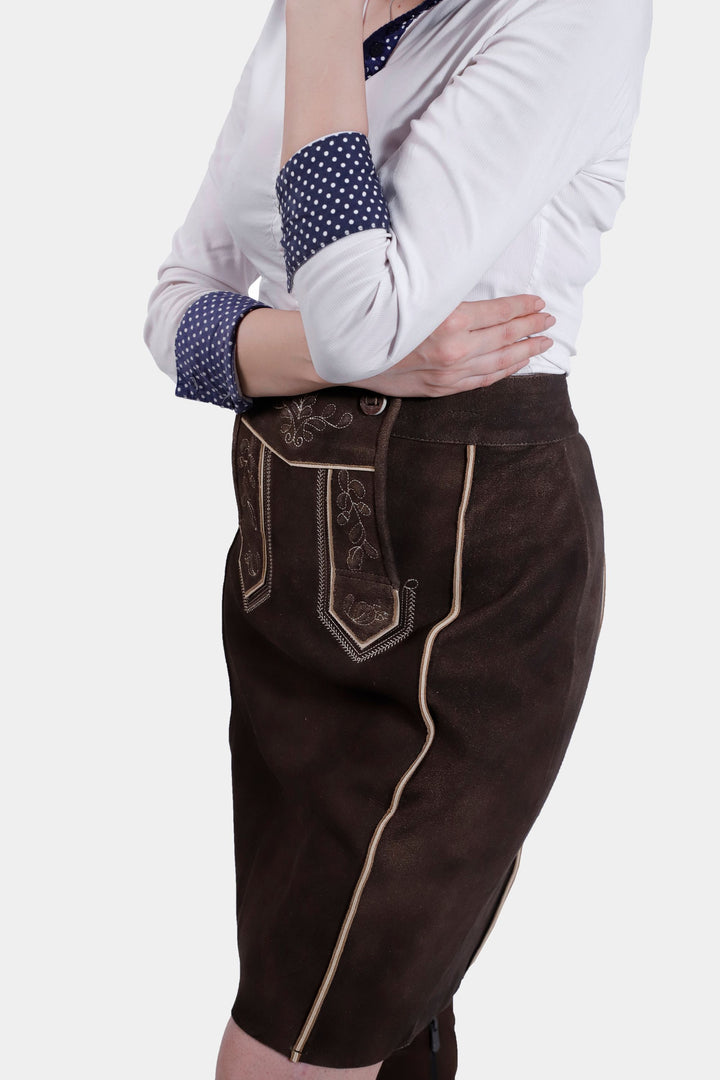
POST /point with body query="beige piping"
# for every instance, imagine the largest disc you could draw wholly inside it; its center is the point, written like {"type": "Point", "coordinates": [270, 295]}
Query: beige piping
{"type": "Point", "coordinates": [303, 464]}
{"type": "Point", "coordinates": [430, 734]}
{"type": "Point", "coordinates": [498, 909]}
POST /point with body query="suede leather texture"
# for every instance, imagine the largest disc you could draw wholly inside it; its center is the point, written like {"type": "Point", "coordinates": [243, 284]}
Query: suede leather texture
{"type": "Point", "coordinates": [363, 524]}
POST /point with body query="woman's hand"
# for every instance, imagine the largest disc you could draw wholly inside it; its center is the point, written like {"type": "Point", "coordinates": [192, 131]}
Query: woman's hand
{"type": "Point", "coordinates": [480, 342]}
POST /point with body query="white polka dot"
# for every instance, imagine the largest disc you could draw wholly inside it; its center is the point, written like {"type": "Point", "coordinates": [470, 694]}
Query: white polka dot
{"type": "Point", "coordinates": [205, 349]}
{"type": "Point", "coordinates": [303, 226]}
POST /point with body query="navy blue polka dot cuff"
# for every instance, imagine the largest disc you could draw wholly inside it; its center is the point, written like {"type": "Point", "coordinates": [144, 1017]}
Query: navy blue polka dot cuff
{"type": "Point", "coordinates": [205, 349]}
{"type": "Point", "coordinates": [327, 190]}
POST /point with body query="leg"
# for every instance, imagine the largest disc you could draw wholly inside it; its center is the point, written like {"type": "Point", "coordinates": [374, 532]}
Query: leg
{"type": "Point", "coordinates": [243, 1058]}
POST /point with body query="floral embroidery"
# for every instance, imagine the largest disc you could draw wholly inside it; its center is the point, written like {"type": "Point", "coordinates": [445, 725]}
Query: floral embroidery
{"type": "Point", "coordinates": [300, 422]}
{"type": "Point", "coordinates": [246, 503]}
{"type": "Point", "coordinates": [364, 623]}
{"type": "Point", "coordinates": [252, 562]}
{"type": "Point", "coordinates": [351, 502]}
{"type": "Point", "coordinates": [247, 461]}
{"type": "Point", "coordinates": [251, 556]}
{"type": "Point", "coordinates": [363, 613]}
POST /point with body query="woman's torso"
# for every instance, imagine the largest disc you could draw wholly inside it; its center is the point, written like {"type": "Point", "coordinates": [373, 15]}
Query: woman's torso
{"type": "Point", "coordinates": [554, 255]}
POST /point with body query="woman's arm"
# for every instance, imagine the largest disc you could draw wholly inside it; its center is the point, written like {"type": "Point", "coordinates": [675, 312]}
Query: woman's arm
{"type": "Point", "coordinates": [272, 356]}
{"type": "Point", "coordinates": [324, 71]}
{"type": "Point", "coordinates": [202, 292]}
{"type": "Point", "coordinates": [550, 91]}
{"type": "Point", "coordinates": [481, 342]}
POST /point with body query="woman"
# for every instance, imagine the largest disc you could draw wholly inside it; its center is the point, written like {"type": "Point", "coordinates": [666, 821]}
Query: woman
{"type": "Point", "coordinates": [414, 594]}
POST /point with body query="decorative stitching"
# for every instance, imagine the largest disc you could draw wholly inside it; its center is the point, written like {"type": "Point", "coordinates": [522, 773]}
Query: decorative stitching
{"type": "Point", "coordinates": [302, 464]}
{"type": "Point", "coordinates": [351, 500]}
{"type": "Point", "coordinates": [363, 613]}
{"type": "Point", "coordinates": [301, 421]}
{"type": "Point", "coordinates": [254, 557]}
{"type": "Point", "coordinates": [246, 458]}
{"type": "Point", "coordinates": [365, 641]}
{"type": "Point", "coordinates": [406, 617]}
{"type": "Point", "coordinates": [404, 779]}
{"type": "Point", "coordinates": [250, 546]}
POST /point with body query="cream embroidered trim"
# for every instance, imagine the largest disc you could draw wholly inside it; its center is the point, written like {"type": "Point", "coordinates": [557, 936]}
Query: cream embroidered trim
{"type": "Point", "coordinates": [402, 782]}
{"type": "Point", "coordinates": [337, 627]}
{"type": "Point", "coordinates": [262, 471]}
{"type": "Point", "coordinates": [305, 464]}
{"type": "Point", "coordinates": [331, 608]}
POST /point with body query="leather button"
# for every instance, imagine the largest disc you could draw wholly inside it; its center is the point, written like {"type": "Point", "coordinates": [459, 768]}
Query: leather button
{"type": "Point", "coordinates": [372, 404]}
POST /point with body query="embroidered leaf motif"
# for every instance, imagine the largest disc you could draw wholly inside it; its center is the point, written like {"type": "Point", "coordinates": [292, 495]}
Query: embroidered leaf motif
{"type": "Point", "coordinates": [350, 500]}
{"type": "Point", "coordinates": [354, 558]}
{"type": "Point", "coordinates": [363, 613]}
{"type": "Point", "coordinates": [247, 462]}
{"type": "Point", "coordinates": [247, 505]}
{"type": "Point", "coordinates": [299, 419]}
{"type": "Point", "coordinates": [252, 562]}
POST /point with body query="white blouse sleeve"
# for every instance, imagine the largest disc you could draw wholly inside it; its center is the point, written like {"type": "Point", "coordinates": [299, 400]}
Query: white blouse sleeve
{"type": "Point", "coordinates": [376, 261]}
{"type": "Point", "coordinates": [201, 294]}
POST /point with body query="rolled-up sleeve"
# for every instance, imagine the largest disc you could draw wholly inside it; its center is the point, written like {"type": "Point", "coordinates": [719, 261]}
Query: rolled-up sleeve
{"type": "Point", "coordinates": [201, 295]}
{"type": "Point", "coordinates": [377, 259]}
{"type": "Point", "coordinates": [325, 191]}
{"type": "Point", "coordinates": [205, 349]}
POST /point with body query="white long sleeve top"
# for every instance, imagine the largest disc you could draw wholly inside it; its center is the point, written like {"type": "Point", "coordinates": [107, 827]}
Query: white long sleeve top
{"type": "Point", "coordinates": [499, 139]}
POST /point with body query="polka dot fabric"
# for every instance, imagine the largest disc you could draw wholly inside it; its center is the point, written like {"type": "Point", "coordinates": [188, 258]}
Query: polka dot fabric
{"type": "Point", "coordinates": [205, 349]}
{"type": "Point", "coordinates": [328, 189]}
{"type": "Point", "coordinates": [380, 44]}
{"type": "Point", "coordinates": [205, 341]}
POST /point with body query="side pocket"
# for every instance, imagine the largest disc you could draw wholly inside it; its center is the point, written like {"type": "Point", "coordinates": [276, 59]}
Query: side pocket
{"type": "Point", "coordinates": [252, 478]}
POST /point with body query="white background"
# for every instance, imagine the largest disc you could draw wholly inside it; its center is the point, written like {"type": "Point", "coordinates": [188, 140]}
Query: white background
{"type": "Point", "coordinates": [118, 949]}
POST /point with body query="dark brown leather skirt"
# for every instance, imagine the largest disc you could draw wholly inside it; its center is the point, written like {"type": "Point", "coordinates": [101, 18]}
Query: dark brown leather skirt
{"type": "Point", "coordinates": [411, 607]}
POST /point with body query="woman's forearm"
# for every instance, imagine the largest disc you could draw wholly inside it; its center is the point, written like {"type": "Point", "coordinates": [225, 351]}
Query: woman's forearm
{"type": "Point", "coordinates": [273, 360]}
{"type": "Point", "coordinates": [324, 71]}
{"type": "Point", "coordinates": [272, 356]}
{"type": "Point", "coordinates": [324, 92]}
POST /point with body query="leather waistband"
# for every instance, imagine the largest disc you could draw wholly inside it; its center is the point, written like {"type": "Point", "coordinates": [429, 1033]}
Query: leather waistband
{"type": "Point", "coordinates": [344, 425]}
{"type": "Point", "coordinates": [515, 411]}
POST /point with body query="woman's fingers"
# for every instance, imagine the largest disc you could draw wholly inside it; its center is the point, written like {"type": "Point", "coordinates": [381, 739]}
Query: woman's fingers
{"type": "Point", "coordinates": [507, 364]}
{"type": "Point", "coordinates": [495, 376]}
{"type": "Point", "coordinates": [491, 338]}
{"type": "Point", "coordinates": [519, 351]}
{"type": "Point", "coordinates": [480, 337]}
{"type": "Point", "coordinates": [490, 367]}
{"type": "Point", "coordinates": [477, 329]}
{"type": "Point", "coordinates": [479, 314]}
{"type": "Point", "coordinates": [525, 349]}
